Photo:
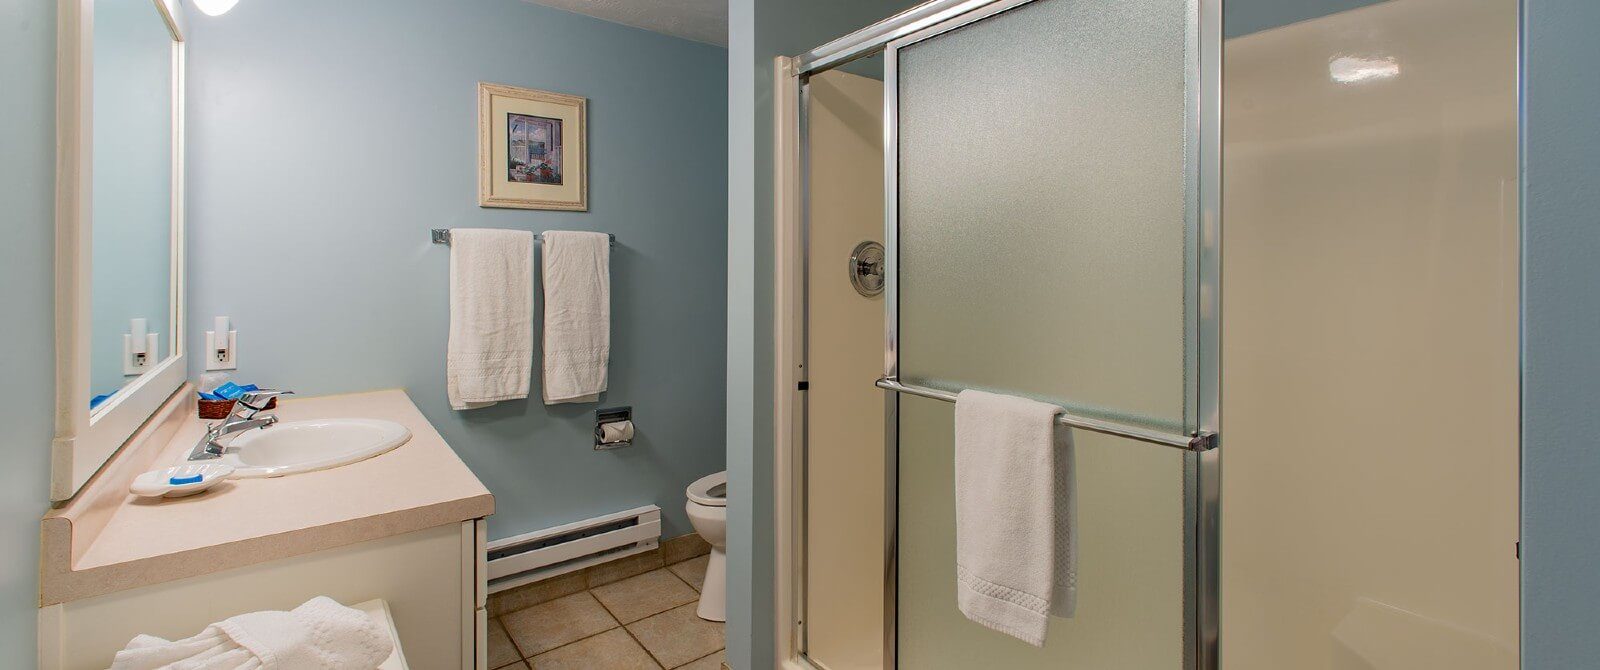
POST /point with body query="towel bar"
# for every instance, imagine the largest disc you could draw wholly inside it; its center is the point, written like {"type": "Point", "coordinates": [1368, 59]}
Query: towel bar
{"type": "Point", "coordinates": [442, 236]}
{"type": "Point", "coordinates": [1200, 441]}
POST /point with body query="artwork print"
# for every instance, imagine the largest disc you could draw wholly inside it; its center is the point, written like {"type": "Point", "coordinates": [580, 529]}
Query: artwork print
{"type": "Point", "coordinates": [534, 149]}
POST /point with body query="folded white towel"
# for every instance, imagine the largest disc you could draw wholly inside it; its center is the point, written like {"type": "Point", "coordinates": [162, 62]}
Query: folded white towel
{"type": "Point", "coordinates": [1016, 515]}
{"type": "Point", "coordinates": [318, 634]}
{"type": "Point", "coordinates": [577, 315]}
{"type": "Point", "coordinates": [490, 352]}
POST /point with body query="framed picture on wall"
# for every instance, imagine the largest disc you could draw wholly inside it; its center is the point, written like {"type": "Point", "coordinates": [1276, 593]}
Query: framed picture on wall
{"type": "Point", "coordinates": [532, 149]}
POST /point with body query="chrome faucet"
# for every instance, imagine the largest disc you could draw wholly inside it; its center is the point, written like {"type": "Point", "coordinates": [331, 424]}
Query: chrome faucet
{"type": "Point", "coordinates": [246, 415]}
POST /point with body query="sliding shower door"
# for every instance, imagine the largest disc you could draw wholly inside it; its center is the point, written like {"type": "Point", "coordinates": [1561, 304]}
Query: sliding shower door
{"type": "Point", "coordinates": [1047, 243]}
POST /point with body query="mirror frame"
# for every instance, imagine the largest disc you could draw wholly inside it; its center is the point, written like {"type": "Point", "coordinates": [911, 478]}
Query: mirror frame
{"type": "Point", "coordinates": [85, 439]}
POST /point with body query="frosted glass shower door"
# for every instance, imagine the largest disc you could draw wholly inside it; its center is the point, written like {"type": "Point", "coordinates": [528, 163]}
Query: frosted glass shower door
{"type": "Point", "coordinates": [1045, 203]}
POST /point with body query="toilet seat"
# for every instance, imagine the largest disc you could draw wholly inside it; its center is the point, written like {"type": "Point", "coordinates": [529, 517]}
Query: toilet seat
{"type": "Point", "coordinates": [710, 490]}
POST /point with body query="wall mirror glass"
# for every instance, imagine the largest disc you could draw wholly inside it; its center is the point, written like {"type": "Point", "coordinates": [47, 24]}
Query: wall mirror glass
{"type": "Point", "coordinates": [131, 264]}
{"type": "Point", "coordinates": [120, 226]}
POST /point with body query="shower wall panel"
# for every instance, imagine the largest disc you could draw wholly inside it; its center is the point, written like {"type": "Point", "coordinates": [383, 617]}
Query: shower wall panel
{"type": "Point", "coordinates": [1370, 310]}
{"type": "Point", "coordinates": [844, 413]}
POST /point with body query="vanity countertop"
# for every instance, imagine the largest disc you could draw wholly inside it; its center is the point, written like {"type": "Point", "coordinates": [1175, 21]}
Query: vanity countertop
{"type": "Point", "coordinates": [108, 540]}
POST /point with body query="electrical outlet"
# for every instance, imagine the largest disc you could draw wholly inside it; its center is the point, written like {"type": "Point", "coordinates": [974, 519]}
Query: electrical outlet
{"type": "Point", "coordinates": [136, 363]}
{"type": "Point", "coordinates": [222, 353]}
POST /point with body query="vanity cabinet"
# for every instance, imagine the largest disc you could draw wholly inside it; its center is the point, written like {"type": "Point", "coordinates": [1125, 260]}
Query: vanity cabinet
{"type": "Point", "coordinates": [405, 526]}
{"type": "Point", "coordinates": [432, 579]}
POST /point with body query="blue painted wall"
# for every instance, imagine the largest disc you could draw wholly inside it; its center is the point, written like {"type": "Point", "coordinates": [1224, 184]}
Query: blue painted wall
{"type": "Point", "coordinates": [27, 308]}
{"type": "Point", "coordinates": [1242, 17]}
{"type": "Point", "coordinates": [326, 138]}
{"type": "Point", "coordinates": [1561, 325]}
{"type": "Point", "coordinates": [760, 30]}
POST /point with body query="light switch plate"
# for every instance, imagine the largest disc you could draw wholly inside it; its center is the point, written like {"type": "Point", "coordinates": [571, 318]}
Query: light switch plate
{"type": "Point", "coordinates": [230, 361]}
{"type": "Point", "coordinates": [132, 366]}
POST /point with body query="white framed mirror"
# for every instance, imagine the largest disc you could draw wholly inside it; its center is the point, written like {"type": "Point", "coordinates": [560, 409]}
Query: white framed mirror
{"type": "Point", "coordinates": [119, 227]}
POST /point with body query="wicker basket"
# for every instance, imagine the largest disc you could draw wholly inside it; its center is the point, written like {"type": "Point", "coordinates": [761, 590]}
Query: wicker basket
{"type": "Point", "coordinates": [219, 409]}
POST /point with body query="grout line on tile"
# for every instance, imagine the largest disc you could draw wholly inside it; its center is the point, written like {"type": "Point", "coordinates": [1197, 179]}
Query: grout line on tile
{"type": "Point", "coordinates": [606, 607]}
{"type": "Point", "coordinates": [702, 658]}
{"type": "Point", "coordinates": [509, 637]}
{"type": "Point", "coordinates": [680, 579]}
{"type": "Point", "coordinates": [697, 589]}
{"type": "Point", "coordinates": [614, 615]}
{"type": "Point", "coordinates": [646, 649]}
{"type": "Point", "coordinates": [529, 659]}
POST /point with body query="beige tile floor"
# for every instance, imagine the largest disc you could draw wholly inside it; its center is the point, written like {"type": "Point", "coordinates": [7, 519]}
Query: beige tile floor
{"type": "Point", "coordinates": [645, 622]}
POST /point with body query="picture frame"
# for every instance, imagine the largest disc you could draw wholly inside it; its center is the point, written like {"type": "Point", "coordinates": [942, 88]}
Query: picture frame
{"type": "Point", "coordinates": [532, 149]}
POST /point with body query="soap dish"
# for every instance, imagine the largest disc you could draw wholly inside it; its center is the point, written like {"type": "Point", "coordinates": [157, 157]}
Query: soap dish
{"type": "Point", "coordinates": [181, 480]}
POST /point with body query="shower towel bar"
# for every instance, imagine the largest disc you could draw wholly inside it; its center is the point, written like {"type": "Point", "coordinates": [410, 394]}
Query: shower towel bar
{"type": "Point", "coordinates": [442, 236]}
{"type": "Point", "coordinates": [1200, 441]}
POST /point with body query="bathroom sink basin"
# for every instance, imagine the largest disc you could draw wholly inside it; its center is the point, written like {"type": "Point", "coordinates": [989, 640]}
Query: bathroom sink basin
{"type": "Point", "coordinates": [291, 447]}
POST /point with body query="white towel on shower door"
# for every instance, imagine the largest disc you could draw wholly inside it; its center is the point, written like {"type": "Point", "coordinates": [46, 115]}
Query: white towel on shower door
{"type": "Point", "coordinates": [1016, 514]}
{"type": "Point", "coordinates": [577, 315]}
{"type": "Point", "coordinates": [489, 357]}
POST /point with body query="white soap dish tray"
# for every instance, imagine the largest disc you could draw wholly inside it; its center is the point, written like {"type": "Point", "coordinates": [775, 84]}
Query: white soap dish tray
{"type": "Point", "coordinates": [159, 483]}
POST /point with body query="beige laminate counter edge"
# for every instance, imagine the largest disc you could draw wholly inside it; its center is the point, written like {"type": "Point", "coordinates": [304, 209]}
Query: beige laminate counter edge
{"type": "Point", "coordinates": [107, 540]}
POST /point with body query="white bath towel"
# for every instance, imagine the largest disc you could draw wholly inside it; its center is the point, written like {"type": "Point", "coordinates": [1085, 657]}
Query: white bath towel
{"type": "Point", "coordinates": [490, 353]}
{"type": "Point", "coordinates": [318, 634]}
{"type": "Point", "coordinates": [577, 315]}
{"type": "Point", "coordinates": [1016, 525]}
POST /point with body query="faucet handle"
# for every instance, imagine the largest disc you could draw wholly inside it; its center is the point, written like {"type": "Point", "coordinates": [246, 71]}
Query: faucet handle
{"type": "Point", "coordinates": [257, 400]}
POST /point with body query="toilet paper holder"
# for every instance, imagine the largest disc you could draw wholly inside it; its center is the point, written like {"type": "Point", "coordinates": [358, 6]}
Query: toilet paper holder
{"type": "Point", "coordinates": [610, 415]}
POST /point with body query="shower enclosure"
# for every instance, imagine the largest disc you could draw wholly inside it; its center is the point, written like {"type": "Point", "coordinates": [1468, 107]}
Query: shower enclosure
{"type": "Point", "coordinates": [1090, 283]}
{"type": "Point", "coordinates": [1046, 180]}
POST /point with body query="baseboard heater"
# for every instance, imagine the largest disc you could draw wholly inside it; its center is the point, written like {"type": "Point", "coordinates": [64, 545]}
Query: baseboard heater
{"type": "Point", "coordinates": [543, 554]}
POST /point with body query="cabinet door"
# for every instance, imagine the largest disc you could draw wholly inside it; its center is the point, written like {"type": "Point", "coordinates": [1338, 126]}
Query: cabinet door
{"type": "Point", "coordinates": [419, 574]}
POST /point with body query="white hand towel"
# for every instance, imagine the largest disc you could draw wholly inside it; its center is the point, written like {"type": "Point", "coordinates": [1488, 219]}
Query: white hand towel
{"type": "Point", "coordinates": [490, 353]}
{"type": "Point", "coordinates": [1016, 515]}
{"type": "Point", "coordinates": [577, 315]}
{"type": "Point", "coordinates": [318, 634]}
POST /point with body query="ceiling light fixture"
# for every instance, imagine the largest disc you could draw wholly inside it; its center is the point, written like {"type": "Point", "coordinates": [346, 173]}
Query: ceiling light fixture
{"type": "Point", "coordinates": [215, 7]}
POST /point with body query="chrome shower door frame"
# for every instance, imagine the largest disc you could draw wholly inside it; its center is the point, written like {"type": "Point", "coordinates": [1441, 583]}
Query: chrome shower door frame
{"type": "Point", "coordinates": [1202, 470]}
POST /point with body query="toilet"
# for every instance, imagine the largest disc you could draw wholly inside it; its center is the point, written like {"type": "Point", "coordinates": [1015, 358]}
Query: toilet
{"type": "Point", "coordinates": [708, 513]}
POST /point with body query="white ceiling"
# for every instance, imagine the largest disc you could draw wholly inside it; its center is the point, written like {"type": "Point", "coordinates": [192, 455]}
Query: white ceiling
{"type": "Point", "coordinates": [698, 20]}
